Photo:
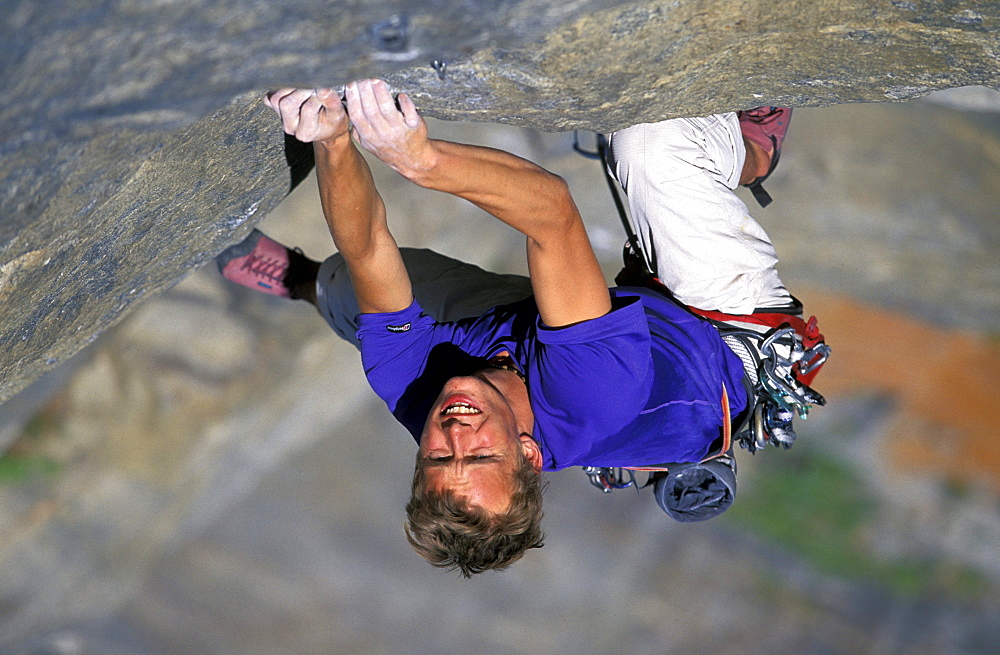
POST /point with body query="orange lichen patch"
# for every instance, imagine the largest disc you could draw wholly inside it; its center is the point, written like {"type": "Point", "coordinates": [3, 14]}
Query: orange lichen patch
{"type": "Point", "coordinates": [944, 383]}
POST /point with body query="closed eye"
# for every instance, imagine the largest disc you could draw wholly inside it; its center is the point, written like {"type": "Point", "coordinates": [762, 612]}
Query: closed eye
{"type": "Point", "coordinates": [444, 459]}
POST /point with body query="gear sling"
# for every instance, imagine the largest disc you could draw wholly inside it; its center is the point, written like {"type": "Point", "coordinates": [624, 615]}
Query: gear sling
{"type": "Point", "coordinates": [781, 355]}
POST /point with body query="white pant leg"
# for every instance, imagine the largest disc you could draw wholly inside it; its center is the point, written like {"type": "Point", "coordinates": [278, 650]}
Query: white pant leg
{"type": "Point", "coordinates": [679, 177]}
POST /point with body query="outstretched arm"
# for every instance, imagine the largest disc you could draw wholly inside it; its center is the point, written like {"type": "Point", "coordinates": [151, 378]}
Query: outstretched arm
{"type": "Point", "coordinates": [568, 283]}
{"type": "Point", "coordinates": [353, 209]}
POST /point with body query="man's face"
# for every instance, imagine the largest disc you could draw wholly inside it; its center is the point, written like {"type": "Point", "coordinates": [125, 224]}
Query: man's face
{"type": "Point", "coordinates": [475, 434]}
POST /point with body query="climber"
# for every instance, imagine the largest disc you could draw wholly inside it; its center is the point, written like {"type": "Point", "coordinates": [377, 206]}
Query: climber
{"type": "Point", "coordinates": [500, 377]}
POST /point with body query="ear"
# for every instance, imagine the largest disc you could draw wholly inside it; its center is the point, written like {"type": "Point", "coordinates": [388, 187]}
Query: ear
{"type": "Point", "coordinates": [531, 450]}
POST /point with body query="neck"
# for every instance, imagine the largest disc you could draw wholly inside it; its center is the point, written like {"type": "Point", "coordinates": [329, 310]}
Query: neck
{"type": "Point", "coordinates": [512, 384]}
{"type": "Point", "coordinates": [504, 362]}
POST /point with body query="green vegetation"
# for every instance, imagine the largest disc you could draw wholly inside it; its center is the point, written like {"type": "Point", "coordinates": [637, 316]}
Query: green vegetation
{"type": "Point", "coordinates": [816, 507]}
{"type": "Point", "coordinates": [22, 460]}
{"type": "Point", "coordinates": [17, 468]}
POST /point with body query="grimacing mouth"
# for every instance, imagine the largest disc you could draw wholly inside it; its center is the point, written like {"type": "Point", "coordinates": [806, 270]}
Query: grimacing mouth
{"type": "Point", "coordinates": [460, 409]}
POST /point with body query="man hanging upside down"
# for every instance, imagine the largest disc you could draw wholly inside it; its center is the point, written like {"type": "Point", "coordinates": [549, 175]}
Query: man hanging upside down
{"type": "Point", "coordinates": [499, 377]}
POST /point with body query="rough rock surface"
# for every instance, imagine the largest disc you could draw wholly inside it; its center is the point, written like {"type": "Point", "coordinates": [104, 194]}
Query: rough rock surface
{"type": "Point", "coordinates": [134, 148]}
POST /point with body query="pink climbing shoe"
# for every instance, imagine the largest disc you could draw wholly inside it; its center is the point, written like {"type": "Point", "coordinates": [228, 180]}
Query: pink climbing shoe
{"type": "Point", "coordinates": [765, 126]}
{"type": "Point", "coordinates": [257, 263]}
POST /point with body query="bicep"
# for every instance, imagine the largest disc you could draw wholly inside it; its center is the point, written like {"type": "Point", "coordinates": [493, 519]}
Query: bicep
{"type": "Point", "coordinates": [566, 278]}
{"type": "Point", "coordinates": [379, 277]}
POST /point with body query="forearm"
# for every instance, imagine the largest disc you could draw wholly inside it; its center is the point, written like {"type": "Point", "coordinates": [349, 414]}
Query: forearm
{"type": "Point", "coordinates": [518, 192]}
{"type": "Point", "coordinates": [353, 209]}
{"type": "Point", "coordinates": [355, 215]}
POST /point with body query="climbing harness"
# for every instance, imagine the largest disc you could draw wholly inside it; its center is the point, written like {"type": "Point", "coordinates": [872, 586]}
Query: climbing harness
{"type": "Point", "coordinates": [781, 355]}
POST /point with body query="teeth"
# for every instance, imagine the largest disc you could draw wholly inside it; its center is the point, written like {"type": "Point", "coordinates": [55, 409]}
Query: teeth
{"type": "Point", "coordinates": [460, 408]}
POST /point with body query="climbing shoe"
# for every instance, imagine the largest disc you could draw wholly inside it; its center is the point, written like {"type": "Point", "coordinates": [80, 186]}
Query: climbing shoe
{"type": "Point", "coordinates": [259, 263]}
{"type": "Point", "coordinates": [765, 126]}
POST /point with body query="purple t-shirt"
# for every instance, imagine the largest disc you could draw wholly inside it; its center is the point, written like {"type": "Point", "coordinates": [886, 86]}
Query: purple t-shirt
{"type": "Point", "coordinates": [641, 385]}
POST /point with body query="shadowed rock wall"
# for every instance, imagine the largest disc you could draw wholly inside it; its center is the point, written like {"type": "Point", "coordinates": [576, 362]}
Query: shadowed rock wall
{"type": "Point", "coordinates": [134, 148]}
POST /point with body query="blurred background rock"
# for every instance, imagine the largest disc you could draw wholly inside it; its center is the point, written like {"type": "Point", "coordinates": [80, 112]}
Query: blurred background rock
{"type": "Point", "coordinates": [214, 476]}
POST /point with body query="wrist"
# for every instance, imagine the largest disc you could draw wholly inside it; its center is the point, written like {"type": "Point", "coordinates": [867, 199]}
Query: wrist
{"type": "Point", "coordinates": [420, 169]}
{"type": "Point", "coordinates": [335, 143]}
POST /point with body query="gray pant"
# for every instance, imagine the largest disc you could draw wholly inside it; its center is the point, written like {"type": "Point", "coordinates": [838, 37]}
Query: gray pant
{"type": "Point", "coordinates": [447, 290]}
